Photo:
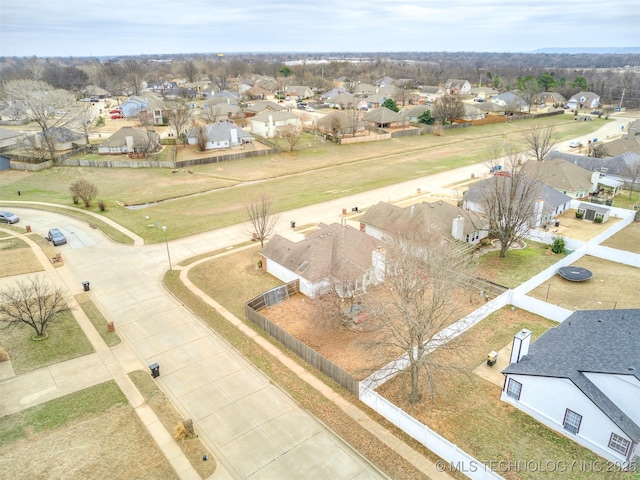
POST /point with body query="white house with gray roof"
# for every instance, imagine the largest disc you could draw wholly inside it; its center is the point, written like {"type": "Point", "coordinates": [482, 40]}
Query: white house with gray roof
{"type": "Point", "coordinates": [582, 379]}
{"type": "Point", "coordinates": [267, 124]}
{"type": "Point", "coordinates": [334, 252]}
{"type": "Point", "coordinates": [584, 100]}
{"type": "Point", "coordinates": [220, 135]}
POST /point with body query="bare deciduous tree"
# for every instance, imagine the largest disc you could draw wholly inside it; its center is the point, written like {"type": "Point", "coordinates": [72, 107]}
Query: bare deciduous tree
{"type": "Point", "coordinates": [540, 142]}
{"type": "Point", "coordinates": [84, 118]}
{"type": "Point", "coordinates": [509, 200]}
{"type": "Point", "coordinates": [32, 302]}
{"type": "Point", "coordinates": [291, 134]}
{"type": "Point", "coordinates": [49, 108]}
{"type": "Point", "coordinates": [261, 217]}
{"type": "Point", "coordinates": [448, 108]}
{"type": "Point", "coordinates": [201, 137]}
{"type": "Point", "coordinates": [426, 276]}
{"type": "Point", "coordinates": [634, 176]}
{"type": "Point", "coordinates": [179, 117]}
{"type": "Point", "coordinates": [84, 190]}
{"type": "Point", "coordinates": [597, 150]}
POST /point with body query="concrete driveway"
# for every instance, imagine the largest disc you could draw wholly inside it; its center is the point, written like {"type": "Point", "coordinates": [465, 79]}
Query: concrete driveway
{"type": "Point", "coordinates": [253, 427]}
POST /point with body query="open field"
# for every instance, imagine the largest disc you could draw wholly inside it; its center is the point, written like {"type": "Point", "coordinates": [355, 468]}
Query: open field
{"type": "Point", "coordinates": [203, 200]}
{"type": "Point", "coordinates": [93, 433]}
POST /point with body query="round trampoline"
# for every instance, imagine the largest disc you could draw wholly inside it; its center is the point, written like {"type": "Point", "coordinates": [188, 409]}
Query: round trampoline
{"type": "Point", "coordinates": [575, 274]}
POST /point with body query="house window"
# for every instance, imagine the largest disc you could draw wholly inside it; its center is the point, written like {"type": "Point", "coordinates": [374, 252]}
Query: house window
{"type": "Point", "coordinates": [572, 421]}
{"type": "Point", "coordinates": [513, 389]}
{"type": "Point", "coordinates": [619, 444]}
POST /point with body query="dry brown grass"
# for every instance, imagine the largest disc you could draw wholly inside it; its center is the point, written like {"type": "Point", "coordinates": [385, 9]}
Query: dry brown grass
{"type": "Point", "coordinates": [17, 258]}
{"type": "Point", "coordinates": [113, 445]}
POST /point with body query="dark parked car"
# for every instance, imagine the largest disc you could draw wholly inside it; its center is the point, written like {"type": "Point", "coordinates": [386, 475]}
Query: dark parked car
{"type": "Point", "coordinates": [8, 217]}
{"type": "Point", "coordinates": [56, 237]}
{"type": "Point", "coordinates": [596, 112]}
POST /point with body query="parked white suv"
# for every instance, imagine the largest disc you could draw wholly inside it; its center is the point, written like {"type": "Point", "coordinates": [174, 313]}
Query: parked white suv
{"type": "Point", "coordinates": [575, 143]}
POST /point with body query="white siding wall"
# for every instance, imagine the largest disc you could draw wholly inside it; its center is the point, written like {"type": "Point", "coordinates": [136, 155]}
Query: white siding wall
{"type": "Point", "coordinates": [623, 390]}
{"type": "Point", "coordinates": [546, 399]}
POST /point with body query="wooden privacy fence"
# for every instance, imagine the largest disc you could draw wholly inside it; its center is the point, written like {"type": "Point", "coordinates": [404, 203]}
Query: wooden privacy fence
{"type": "Point", "coordinates": [309, 355]}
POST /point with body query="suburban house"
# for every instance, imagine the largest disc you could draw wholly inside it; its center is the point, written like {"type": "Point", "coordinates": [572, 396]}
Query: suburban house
{"type": "Point", "coordinates": [63, 138]}
{"type": "Point", "coordinates": [332, 93]}
{"type": "Point", "coordinates": [584, 100]}
{"type": "Point", "coordinates": [364, 90]}
{"type": "Point", "coordinates": [263, 106]}
{"type": "Point", "coordinates": [471, 112]}
{"type": "Point", "coordinates": [132, 106]}
{"type": "Point", "coordinates": [490, 108]}
{"type": "Point", "coordinates": [92, 91]}
{"type": "Point", "coordinates": [384, 81]}
{"type": "Point", "coordinates": [132, 141]}
{"type": "Point", "coordinates": [219, 136]}
{"type": "Point", "coordinates": [414, 112]}
{"type": "Point", "coordinates": [615, 171]}
{"type": "Point", "coordinates": [154, 113]}
{"type": "Point", "coordinates": [551, 99]}
{"type": "Point", "coordinates": [298, 91]}
{"type": "Point", "coordinates": [582, 379]}
{"type": "Point", "coordinates": [376, 100]}
{"type": "Point", "coordinates": [258, 93]}
{"type": "Point", "coordinates": [511, 102]}
{"type": "Point", "coordinates": [340, 123]}
{"type": "Point", "coordinates": [384, 118]}
{"type": "Point", "coordinates": [564, 176]}
{"type": "Point", "coordinates": [549, 204]}
{"type": "Point", "coordinates": [430, 94]}
{"type": "Point", "coordinates": [483, 93]}
{"type": "Point", "coordinates": [267, 123]}
{"type": "Point", "coordinates": [455, 86]}
{"type": "Point", "coordinates": [222, 111]}
{"type": "Point", "coordinates": [343, 101]}
{"type": "Point", "coordinates": [334, 253]}
{"type": "Point", "coordinates": [229, 97]}
{"type": "Point", "coordinates": [383, 219]}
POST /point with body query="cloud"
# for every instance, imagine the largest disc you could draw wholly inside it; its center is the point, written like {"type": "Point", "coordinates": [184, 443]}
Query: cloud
{"type": "Point", "coordinates": [118, 27]}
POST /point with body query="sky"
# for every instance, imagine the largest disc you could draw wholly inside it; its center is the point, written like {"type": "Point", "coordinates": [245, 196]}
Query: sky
{"type": "Point", "coordinates": [129, 27]}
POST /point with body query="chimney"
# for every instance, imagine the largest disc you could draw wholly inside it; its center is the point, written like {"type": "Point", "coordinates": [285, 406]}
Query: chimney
{"type": "Point", "coordinates": [378, 262]}
{"type": "Point", "coordinates": [457, 228]}
{"type": "Point", "coordinates": [129, 141]}
{"type": "Point", "coordinates": [520, 346]}
{"type": "Point", "coordinates": [538, 210]}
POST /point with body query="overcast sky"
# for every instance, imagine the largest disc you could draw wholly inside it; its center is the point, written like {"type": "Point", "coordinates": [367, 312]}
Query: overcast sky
{"type": "Point", "coordinates": [130, 27]}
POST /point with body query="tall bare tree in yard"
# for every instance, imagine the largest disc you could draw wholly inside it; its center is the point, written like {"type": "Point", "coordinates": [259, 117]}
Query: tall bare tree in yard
{"type": "Point", "coordinates": [85, 115]}
{"type": "Point", "coordinates": [261, 217]}
{"type": "Point", "coordinates": [540, 142]}
{"type": "Point", "coordinates": [634, 176]}
{"type": "Point", "coordinates": [291, 134]}
{"type": "Point", "coordinates": [426, 277]}
{"type": "Point", "coordinates": [48, 107]}
{"type": "Point", "coordinates": [509, 200]}
{"type": "Point", "coordinates": [32, 302]}
{"type": "Point", "coordinates": [448, 108]}
{"type": "Point", "coordinates": [179, 117]}
{"type": "Point", "coordinates": [201, 137]}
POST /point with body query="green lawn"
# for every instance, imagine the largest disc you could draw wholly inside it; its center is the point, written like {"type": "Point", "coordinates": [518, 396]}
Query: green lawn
{"type": "Point", "coordinates": [518, 266]}
{"type": "Point", "coordinates": [338, 170]}
{"type": "Point", "coordinates": [65, 341]}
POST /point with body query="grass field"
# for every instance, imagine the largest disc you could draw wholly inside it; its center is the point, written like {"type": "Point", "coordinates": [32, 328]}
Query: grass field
{"type": "Point", "coordinates": [204, 200]}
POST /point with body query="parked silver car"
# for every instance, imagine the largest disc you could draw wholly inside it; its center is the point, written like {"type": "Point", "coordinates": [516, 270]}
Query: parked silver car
{"type": "Point", "coordinates": [56, 237]}
{"type": "Point", "coordinates": [8, 217]}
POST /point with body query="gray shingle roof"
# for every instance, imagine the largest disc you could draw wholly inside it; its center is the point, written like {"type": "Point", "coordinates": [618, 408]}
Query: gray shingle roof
{"type": "Point", "coordinates": [382, 115]}
{"type": "Point", "coordinates": [334, 250]}
{"type": "Point", "coordinates": [559, 174]}
{"type": "Point", "coordinates": [435, 216]}
{"type": "Point", "coordinates": [221, 131]}
{"type": "Point", "coordinates": [597, 341]}
{"type": "Point", "coordinates": [618, 165]}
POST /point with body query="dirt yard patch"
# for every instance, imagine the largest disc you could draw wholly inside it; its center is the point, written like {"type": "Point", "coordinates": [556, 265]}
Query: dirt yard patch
{"type": "Point", "coordinates": [357, 350]}
{"type": "Point", "coordinates": [584, 230]}
{"type": "Point", "coordinates": [112, 445]}
{"type": "Point", "coordinates": [627, 239]}
{"type": "Point", "coordinates": [613, 286]}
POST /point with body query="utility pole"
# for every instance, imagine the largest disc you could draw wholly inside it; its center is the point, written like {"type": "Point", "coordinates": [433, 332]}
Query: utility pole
{"type": "Point", "coordinates": [620, 105]}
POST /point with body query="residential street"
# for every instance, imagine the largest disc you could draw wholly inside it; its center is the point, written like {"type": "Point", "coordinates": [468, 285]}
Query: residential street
{"type": "Point", "coordinates": [253, 428]}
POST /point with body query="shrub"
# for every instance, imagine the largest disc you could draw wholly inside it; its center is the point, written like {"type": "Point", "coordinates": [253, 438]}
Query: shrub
{"type": "Point", "coordinates": [579, 215]}
{"type": "Point", "coordinates": [180, 432]}
{"type": "Point", "coordinates": [101, 205]}
{"type": "Point", "coordinates": [558, 245]}
{"type": "Point", "coordinates": [597, 220]}
{"type": "Point", "coordinates": [4, 356]}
